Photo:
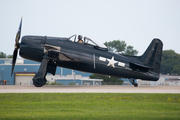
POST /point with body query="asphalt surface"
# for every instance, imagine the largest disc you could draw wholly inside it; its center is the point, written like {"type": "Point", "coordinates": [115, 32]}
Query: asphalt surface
{"type": "Point", "coordinates": [88, 89]}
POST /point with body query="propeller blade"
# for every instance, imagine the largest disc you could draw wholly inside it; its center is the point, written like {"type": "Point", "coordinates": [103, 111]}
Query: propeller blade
{"type": "Point", "coordinates": [17, 46]}
{"type": "Point", "coordinates": [14, 59]}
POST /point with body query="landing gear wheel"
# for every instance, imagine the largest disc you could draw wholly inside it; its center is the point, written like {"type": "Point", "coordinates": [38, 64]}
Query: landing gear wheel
{"type": "Point", "coordinates": [135, 84]}
{"type": "Point", "coordinates": [37, 84]}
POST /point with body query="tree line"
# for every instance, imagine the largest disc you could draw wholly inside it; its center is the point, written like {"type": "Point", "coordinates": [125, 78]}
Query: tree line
{"type": "Point", "coordinates": [170, 63]}
{"type": "Point", "coordinates": [3, 55]}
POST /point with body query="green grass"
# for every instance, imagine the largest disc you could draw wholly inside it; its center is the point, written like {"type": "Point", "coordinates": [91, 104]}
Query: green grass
{"type": "Point", "coordinates": [89, 106]}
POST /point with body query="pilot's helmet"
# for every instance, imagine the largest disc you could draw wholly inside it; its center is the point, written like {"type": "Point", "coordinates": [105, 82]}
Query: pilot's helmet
{"type": "Point", "coordinates": [80, 37]}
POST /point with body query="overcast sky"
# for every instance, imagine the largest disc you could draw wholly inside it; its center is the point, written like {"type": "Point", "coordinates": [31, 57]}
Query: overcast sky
{"type": "Point", "coordinates": [136, 22]}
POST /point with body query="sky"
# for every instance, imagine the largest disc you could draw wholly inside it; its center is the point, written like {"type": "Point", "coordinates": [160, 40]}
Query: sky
{"type": "Point", "coordinates": [137, 22]}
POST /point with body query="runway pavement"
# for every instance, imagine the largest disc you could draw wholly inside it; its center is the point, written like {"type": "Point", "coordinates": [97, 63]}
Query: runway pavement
{"type": "Point", "coordinates": [88, 89]}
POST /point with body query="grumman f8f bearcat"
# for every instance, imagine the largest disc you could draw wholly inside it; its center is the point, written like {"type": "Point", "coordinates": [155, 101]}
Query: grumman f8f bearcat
{"type": "Point", "coordinates": [85, 55]}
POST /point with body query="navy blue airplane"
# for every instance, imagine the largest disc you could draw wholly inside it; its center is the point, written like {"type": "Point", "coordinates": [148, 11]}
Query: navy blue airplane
{"type": "Point", "coordinates": [86, 56]}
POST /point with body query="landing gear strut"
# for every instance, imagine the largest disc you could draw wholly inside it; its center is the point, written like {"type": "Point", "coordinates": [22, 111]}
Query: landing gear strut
{"type": "Point", "coordinates": [132, 80]}
{"type": "Point", "coordinates": [40, 78]}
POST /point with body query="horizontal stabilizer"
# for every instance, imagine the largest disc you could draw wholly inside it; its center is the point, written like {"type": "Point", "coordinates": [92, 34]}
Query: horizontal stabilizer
{"type": "Point", "coordinates": [140, 67]}
{"type": "Point", "coordinates": [143, 66]}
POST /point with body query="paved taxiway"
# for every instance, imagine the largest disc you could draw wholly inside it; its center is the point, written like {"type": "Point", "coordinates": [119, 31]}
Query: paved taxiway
{"type": "Point", "coordinates": [89, 89]}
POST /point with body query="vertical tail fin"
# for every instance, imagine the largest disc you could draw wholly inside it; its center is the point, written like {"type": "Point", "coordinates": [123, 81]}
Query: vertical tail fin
{"type": "Point", "coordinates": [152, 55]}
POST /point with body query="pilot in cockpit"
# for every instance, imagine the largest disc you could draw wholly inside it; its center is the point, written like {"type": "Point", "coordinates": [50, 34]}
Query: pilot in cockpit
{"type": "Point", "coordinates": [80, 39]}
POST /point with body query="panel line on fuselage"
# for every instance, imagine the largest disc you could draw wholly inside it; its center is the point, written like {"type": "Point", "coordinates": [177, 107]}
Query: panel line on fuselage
{"type": "Point", "coordinates": [94, 61]}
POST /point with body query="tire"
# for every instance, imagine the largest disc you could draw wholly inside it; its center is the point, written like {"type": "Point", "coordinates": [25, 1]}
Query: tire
{"type": "Point", "coordinates": [37, 84]}
{"type": "Point", "coordinates": [135, 84]}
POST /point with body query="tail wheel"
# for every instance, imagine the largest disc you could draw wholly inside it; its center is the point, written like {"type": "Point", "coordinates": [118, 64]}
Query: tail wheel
{"type": "Point", "coordinates": [135, 84]}
{"type": "Point", "coordinates": [132, 80]}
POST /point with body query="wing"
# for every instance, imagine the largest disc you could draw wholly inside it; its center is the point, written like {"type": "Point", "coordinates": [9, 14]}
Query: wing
{"type": "Point", "coordinates": [139, 67]}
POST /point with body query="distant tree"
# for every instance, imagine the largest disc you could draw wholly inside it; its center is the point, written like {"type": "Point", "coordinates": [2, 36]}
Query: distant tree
{"type": "Point", "coordinates": [120, 46]}
{"type": "Point", "coordinates": [130, 51]}
{"type": "Point", "coordinates": [170, 63]}
{"type": "Point", "coordinates": [116, 46]}
{"type": "Point", "coordinates": [2, 55]}
{"type": "Point", "coordinates": [176, 69]}
{"type": "Point", "coordinates": [10, 56]}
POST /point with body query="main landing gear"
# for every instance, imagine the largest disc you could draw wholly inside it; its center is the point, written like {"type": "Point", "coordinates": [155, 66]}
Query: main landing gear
{"type": "Point", "coordinates": [47, 65]}
{"type": "Point", "coordinates": [132, 80]}
{"type": "Point", "coordinates": [40, 78]}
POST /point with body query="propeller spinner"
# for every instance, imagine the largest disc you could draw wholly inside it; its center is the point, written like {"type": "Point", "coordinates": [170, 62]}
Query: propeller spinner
{"type": "Point", "coordinates": [17, 46]}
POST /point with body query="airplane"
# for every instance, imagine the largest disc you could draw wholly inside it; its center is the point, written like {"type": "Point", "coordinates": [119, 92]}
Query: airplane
{"type": "Point", "coordinates": [87, 57]}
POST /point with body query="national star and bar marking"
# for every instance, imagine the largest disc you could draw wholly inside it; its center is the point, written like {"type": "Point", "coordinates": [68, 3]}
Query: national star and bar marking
{"type": "Point", "coordinates": [111, 61]}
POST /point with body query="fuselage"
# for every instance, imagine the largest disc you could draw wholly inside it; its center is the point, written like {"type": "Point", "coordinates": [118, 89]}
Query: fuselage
{"type": "Point", "coordinates": [87, 57]}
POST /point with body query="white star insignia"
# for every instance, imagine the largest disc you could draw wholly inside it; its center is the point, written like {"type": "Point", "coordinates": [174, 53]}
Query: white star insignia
{"type": "Point", "coordinates": [112, 62]}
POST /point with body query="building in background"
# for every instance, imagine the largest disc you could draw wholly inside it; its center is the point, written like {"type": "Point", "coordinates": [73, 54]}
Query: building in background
{"type": "Point", "coordinates": [78, 80]}
{"type": "Point", "coordinates": [164, 80]}
{"type": "Point", "coordinates": [25, 70]}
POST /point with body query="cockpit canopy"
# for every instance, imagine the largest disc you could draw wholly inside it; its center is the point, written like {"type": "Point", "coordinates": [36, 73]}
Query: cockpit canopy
{"type": "Point", "coordinates": [88, 41]}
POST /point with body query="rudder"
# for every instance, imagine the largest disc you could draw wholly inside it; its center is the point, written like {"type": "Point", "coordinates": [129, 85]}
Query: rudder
{"type": "Point", "coordinates": [152, 55]}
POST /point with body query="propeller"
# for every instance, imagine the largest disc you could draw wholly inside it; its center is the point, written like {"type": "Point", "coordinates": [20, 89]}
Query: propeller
{"type": "Point", "coordinates": [17, 46]}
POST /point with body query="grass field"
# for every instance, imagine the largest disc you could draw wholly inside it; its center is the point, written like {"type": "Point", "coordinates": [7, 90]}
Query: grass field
{"type": "Point", "coordinates": [89, 106]}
